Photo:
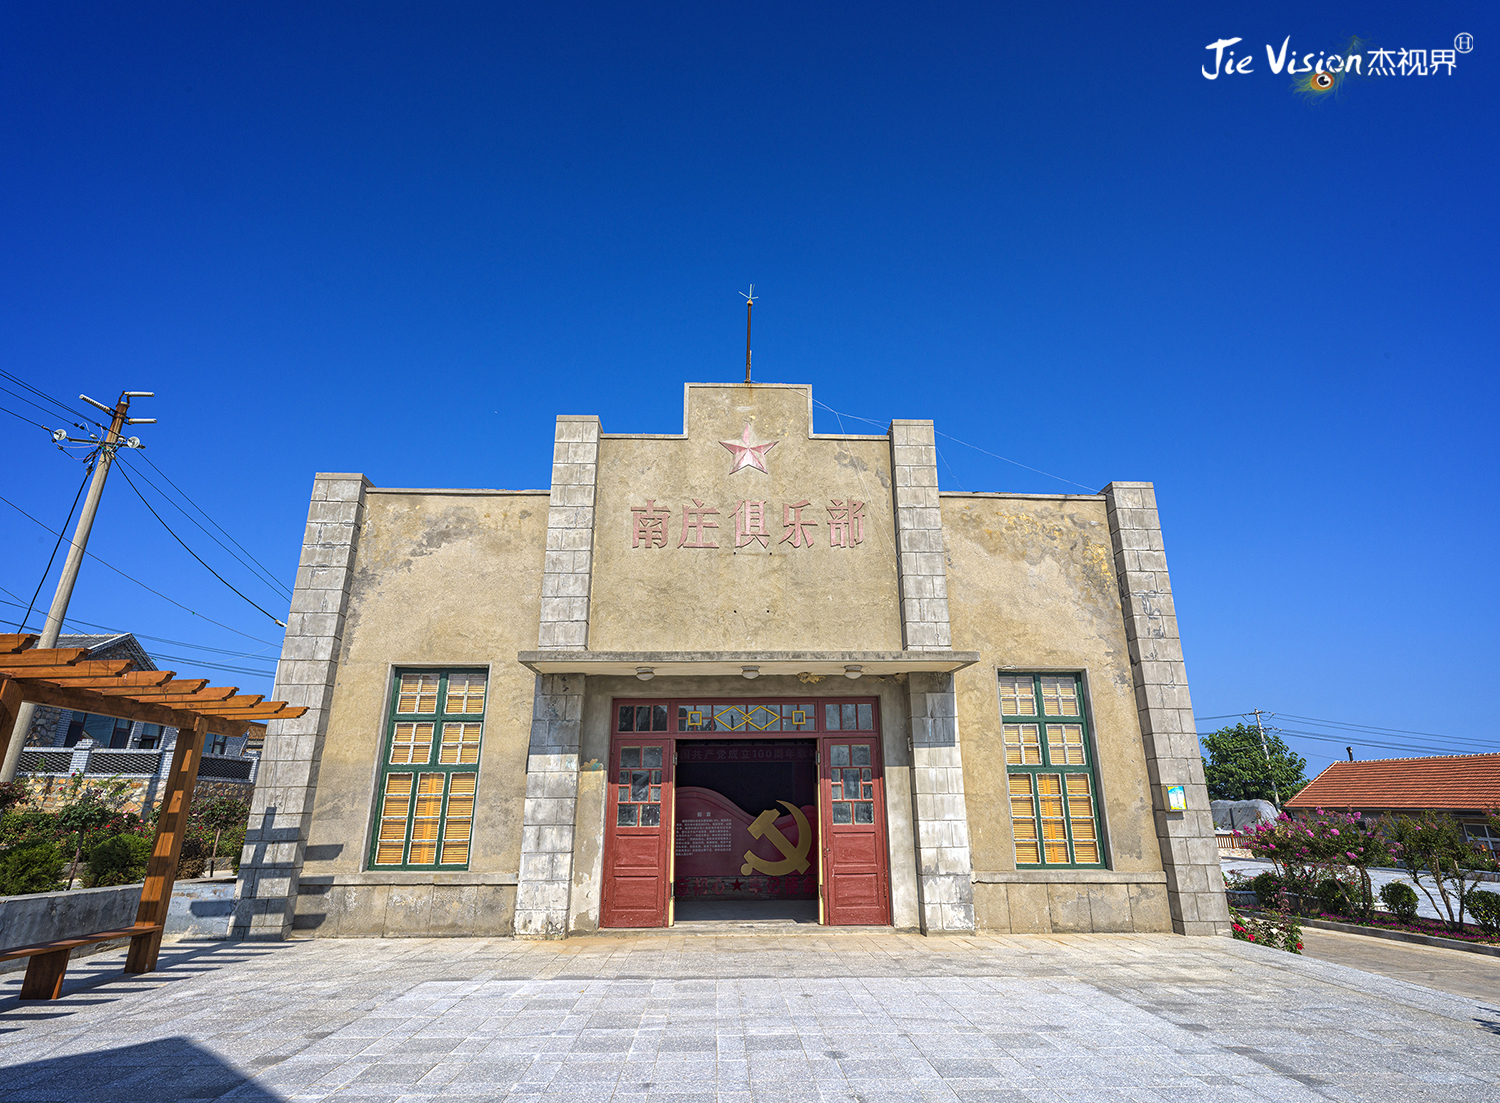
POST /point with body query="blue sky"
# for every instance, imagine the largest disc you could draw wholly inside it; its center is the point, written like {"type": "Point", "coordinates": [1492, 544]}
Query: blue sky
{"type": "Point", "coordinates": [399, 239]}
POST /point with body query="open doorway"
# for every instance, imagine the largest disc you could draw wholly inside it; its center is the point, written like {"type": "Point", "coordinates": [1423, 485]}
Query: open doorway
{"type": "Point", "coordinates": [745, 831]}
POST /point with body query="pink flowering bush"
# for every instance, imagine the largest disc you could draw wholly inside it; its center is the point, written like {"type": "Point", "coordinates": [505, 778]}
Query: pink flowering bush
{"type": "Point", "coordinates": [1327, 846]}
{"type": "Point", "coordinates": [1278, 930]}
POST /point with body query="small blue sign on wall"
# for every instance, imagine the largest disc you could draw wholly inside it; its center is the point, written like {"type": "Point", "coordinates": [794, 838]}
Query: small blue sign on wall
{"type": "Point", "coordinates": [1176, 798]}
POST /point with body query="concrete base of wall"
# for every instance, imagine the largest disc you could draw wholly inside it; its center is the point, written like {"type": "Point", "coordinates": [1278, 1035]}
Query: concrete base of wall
{"type": "Point", "coordinates": [405, 910]}
{"type": "Point", "coordinates": [1071, 902]}
{"type": "Point", "coordinates": [199, 909]}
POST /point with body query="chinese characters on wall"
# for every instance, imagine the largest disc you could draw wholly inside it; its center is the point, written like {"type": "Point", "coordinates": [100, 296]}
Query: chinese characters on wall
{"type": "Point", "coordinates": [754, 524]}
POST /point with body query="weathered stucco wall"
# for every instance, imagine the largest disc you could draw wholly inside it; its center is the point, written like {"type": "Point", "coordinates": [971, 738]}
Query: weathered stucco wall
{"type": "Point", "coordinates": [442, 579]}
{"type": "Point", "coordinates": [600, 693]}
{"type": "Point", "coordinates": [1032, 587]}
{"type": "Point", "coordinates": [776, 597]}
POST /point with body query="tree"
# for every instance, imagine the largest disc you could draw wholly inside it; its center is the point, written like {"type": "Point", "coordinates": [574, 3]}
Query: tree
{"type": "Point", "coordinates": [1236, 767]}
{"type": "Point", "coordinates": [89, 807]}
{"type": "Point", "coordinates": [1433, 846]}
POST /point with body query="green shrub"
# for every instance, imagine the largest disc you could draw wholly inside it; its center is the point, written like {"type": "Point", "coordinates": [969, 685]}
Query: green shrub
{"type": "Point", "coordinates": [1401, 898]}
{"type": "Point", "coordinates": [119, 861]}
{"type": "Point", "coordinates": [1333, 897]}
{"type": "Point", "coordinates": [1267, 888]}
{"type": "Point", "coordinates": [36, 867]}
{"type": "Point", "coordinates": [27, 826]}
{"type": "Point", "coordinates": [1484, 906]}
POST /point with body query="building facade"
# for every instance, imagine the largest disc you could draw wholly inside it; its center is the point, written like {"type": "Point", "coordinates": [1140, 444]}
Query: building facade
{"type": "Point", "coordinates": [747, 669]}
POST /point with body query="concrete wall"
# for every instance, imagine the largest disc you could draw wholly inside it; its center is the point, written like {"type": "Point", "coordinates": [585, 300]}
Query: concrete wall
{"type": "Point", "coordinates": [1032, 588]}
{"type": "Point", "coordinates": [199, 909]}
{"type": "Point", "coordinates": [441, 579]}
{"type": "Point", "coordinates": [691, 599]}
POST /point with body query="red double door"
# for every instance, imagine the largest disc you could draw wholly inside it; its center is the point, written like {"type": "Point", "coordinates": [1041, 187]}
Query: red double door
{"type": "Point", "coordinates": [853, 867]}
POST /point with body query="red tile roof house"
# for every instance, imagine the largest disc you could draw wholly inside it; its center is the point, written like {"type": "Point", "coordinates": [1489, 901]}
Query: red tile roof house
{"type": "Point", "coordinates": [1465, 786]}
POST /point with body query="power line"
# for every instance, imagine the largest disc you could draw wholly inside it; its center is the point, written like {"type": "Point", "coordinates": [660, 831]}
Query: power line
{"type": "Point", "coordinates": [137, 581]}
{"type": "Point", "coordinates": [24, 418]}
{"type": "Point", "coordinates": [1358, 727]}
{"type": "Point", "coordinates": [53, 557]}
{"type": "Point", "coordinates": [212, 665]}
{"type": "Point", "coordinates": [75, 622]}
{"type": "Point", "coordinates": [265, 572]}
{"type": "Point", "coordinates": [1492, 747]}
{"type": "Point", "coordinates": [966, 444]}
{"type": "Point", "coordinates": [69, 411]}
{"type": "Point", "coordinates": [126, 475]}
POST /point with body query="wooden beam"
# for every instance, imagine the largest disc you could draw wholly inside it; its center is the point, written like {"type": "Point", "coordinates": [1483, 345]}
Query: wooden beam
{"type": "Point", "coordinates": [55, 656]}
{"type": "Point", "coordinates": [212, 695]}
{"type": "Point", "coordinates": [242, 701]}
{"type": "Point", "coordinates": [125, 708]}
{"type": "Point", "coordinates": [135, 681]}
{"type": "Point", "coordinates": [94, 668]}
{"type": "Point", "coordinates": [271, 710]}
{"type": "Point", "coordinates": [17, 641]}
{"type": "Point", "coordinates": [155, 691]}
{"type": "Point", "coordinates": [171, 826]}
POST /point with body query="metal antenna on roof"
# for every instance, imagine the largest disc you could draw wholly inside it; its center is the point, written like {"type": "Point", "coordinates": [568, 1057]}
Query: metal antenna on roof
{"type": "Point", "coordinates": [749, 303]}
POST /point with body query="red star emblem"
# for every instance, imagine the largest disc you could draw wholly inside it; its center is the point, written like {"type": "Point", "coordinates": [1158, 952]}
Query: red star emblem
{"type": "Point", "coordinates": [737, 885]}
{"type": "Point", "coordinates": [747, 453]}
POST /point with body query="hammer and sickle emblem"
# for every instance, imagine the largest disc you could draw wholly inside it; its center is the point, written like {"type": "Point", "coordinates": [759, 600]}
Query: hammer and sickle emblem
{"type": "Point", "coordinates": [765, 827]}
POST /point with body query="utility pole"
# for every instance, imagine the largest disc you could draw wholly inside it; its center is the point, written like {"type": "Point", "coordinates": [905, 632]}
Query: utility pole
{"type": "Point", "coordinates": [119, 416]}
{"type": "Point", "coordinates": [1266, 750]}
{"type": "Point", "coordinates": [749, 303]}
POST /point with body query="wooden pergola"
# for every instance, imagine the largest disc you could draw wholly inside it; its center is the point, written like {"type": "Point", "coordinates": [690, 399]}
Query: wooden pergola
{"type": "Point", "coordinates": [66, 678]}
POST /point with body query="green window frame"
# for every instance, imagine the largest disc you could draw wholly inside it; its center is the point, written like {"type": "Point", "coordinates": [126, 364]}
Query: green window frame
{"type": "Point", "coordinates": [1054, 793]}
{"type": "Point", "coordinates": [429, 775]}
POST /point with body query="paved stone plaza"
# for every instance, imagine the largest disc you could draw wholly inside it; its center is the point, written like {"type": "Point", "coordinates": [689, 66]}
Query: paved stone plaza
{"type": "Point", "coordinates": [786, 1018]}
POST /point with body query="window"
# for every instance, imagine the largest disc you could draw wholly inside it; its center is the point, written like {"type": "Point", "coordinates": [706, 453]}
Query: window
{"type": "Point", "coordinates": [431, 770]}
{"type": "Point", "coordinates": [220, 745]}
{"type": "Point", "coordinates": [1483, 835]}
{"type": "Point", "coordinates": [149, 738]}
{"type": "Point", "coordinates": [1053, 808]}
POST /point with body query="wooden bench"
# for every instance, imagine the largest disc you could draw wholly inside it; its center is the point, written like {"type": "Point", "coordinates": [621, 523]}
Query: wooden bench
{"type": "Point", "coordinates": [49, 960]}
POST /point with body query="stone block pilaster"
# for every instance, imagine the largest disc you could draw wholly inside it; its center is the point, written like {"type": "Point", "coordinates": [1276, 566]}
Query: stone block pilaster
{"type": "Point", "coordinates": [1189, 852]}
{"type": "Point", "coordinates": [940, 814]}
{"type": "Point", "coordinates": [568, 566]}
{"type": "Point", "coordinates": [550, 810]}
{"type": "Point", "coordinates": [945, 867]}
{"type": "Point", "coordinates": [920, 561]}
{"type": "Point", "coordinates": [281, 809]}
{"type": "Point", "coordinates": [549, 813]}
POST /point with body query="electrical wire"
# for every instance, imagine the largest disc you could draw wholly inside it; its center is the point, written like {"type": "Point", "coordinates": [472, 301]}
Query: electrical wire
{"type": "Point", "coordinates": [1350, 731]}
{"type": "Point", "coordinates": [53, 557]}
{"type": "Point", "coordinates": [70, 411]}
{"type": "Point", "coordinates": [259, 569]}
{"type": "Point", "coordinates": [966, 444]}
{"type": "Point", "coordinates": [1491, 747]}
{"type": "Point", "coordinates": [138, 582]}
{"type": "Point", "coordinates": [158, 655]}
{"type": "Point", "coordinates": [76, 623]}
{"type": "Point", "coordinates": [124, 472]}
{"type": "Point", "coordinates": [1358, 727]}
{"type": "Point", "coordinates": [24, 418]}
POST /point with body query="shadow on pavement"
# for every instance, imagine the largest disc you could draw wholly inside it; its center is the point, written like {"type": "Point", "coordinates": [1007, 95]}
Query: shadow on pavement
{"type": "Point", "coordinates": [163, 1071]}
{"type": "Point", "coordinates": [101, 976]}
